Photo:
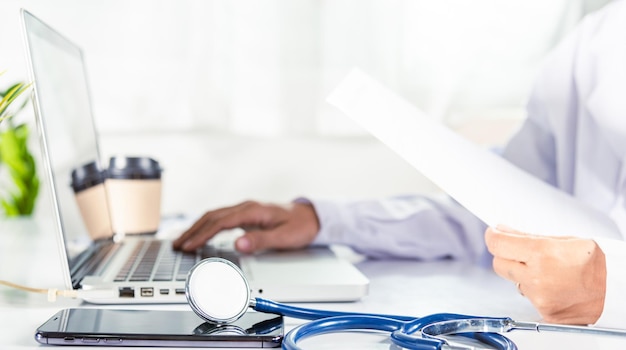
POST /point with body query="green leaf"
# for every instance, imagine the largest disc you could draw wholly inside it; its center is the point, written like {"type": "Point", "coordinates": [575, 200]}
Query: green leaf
{"type": "Point", "coordinates": [10, 95]}
{"type": "Point", "coordinates": [11, 152]}
{"type": "Point", "coordinates": [22, 170]}
{"type": "Point", "coordinates": [15, 156]}
{"type": "Point", "coordinates": [32, 196]}
{"type": "Point", "coordinates": [10, 209]}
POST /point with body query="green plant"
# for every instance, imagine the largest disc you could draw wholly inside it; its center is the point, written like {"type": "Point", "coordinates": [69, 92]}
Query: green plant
{"type": "Point", "coordinates": [14, 154]}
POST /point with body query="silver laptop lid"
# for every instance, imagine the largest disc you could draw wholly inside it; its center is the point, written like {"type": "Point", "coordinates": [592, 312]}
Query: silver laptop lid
{"type": "Point", "coordinates": [66, 129]}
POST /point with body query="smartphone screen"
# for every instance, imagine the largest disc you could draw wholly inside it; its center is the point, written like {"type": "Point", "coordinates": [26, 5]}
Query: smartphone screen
{"type": "Point", "coordinates": [158, 328]}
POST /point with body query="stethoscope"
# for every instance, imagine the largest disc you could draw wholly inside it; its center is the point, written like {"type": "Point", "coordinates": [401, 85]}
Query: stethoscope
{"type": "Point", "coordinates": [218, 292]}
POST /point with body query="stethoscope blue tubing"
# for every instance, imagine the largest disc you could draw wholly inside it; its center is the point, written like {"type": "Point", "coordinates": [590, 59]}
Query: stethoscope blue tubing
{"type": "Point", "coordinates": [402, 328]}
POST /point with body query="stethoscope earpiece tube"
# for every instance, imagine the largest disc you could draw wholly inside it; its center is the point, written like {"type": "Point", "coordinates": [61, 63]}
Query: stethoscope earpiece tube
{"type": "Point", "coordinates": [404, 329]}
{"type": "Point", "coordinates": [410, 336]}
{"type": "Point", "coordinates": [339, 324]}
{"type": "Point", "coordinates": [496, 340]}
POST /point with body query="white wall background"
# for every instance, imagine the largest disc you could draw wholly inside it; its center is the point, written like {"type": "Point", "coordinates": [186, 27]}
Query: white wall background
{"type": "Point", "coordinates": [229, 94]}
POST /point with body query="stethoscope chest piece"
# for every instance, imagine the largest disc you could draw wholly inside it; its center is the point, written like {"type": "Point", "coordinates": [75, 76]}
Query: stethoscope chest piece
{"type": "Point", "coordinates": [217, 290]}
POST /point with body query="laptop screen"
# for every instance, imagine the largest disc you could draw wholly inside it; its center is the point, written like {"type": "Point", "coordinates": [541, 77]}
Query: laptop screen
{"type": "Point", "coordinates": [65, 123]}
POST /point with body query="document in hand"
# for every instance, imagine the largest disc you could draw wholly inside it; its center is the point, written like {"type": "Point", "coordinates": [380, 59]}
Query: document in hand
{"type": "Point", "coordinates": [493, 189]}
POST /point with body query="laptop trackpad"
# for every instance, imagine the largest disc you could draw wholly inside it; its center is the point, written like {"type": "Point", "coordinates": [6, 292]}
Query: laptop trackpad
{"type": "Point", "coordinates": [312, 274]}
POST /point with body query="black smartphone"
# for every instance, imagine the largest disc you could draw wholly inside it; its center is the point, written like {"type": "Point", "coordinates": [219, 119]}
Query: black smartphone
{"type": "Point", "coordinates": [110, 327]}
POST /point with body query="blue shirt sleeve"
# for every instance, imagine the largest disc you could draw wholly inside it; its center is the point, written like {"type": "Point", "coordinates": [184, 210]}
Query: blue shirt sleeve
{"type": "Point", "coordinates": [416, 227]}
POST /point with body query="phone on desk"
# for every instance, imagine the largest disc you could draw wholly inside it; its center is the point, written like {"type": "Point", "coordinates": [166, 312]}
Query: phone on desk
{"type": "Point", "coordinates": [110, 327]}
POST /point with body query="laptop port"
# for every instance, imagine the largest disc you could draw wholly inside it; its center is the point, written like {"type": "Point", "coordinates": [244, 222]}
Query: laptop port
{"type": "Point", "coordinates": [180, 290]}
{"type": "Point", "coordinates": [164, 291]}
{"type": "Point", "coordinates": [127, 292]}
{"type": "Point", "coordinates": [147, 291]}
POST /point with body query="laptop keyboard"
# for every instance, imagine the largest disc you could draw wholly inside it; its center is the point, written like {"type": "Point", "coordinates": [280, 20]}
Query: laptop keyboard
{"type": "Point", "coordinates": [145, 264]}
{"type": "Point", "coordinates": [149, 262]}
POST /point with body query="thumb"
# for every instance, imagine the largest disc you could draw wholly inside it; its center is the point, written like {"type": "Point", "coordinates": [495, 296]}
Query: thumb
{"type": "Point", "coordinates": [501, 228]}
{"type": "Point", "coordinates": [244, 244]}
{"type": "Point", "coordinates": [253, 241]}
{"type": "Point", "coordinates": [283, 237]}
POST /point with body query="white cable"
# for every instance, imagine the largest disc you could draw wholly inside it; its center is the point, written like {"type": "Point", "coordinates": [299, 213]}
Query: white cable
{"type": "Point", "coordinates": [53, 293]}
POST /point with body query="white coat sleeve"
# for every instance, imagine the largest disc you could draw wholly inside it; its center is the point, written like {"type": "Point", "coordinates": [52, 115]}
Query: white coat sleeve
{"type": "Point", "coordinates": [535, 146]}
{"type": "Point", "coordinates": [416, 227]}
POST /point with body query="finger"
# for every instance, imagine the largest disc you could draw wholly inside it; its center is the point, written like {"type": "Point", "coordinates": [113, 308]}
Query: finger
{"type": "Point", "coordinates": [207, 231]}
{"type": "Point", "coordinates": [511, 270]}
{"type": "Point", "coordinates": [511, 245]}
{"type": "Point", "coordinates": [203, 224]}
{"type": "Point", "coordinates": [247, 215]}
{"type": "Point", "coordinates": [197, 227]}
{"type": "Point", "coordinates": [254, 241]}
{"type": "Point", "coordinates": [193, 229]}
{"type": "Point", "coordinates": [507, 229]}
{"type": "Point", "coordinates": [282, 237]}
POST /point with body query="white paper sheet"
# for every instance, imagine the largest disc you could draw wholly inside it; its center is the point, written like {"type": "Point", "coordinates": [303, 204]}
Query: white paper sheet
{"type": "Point", "coordinates": [493, 189]}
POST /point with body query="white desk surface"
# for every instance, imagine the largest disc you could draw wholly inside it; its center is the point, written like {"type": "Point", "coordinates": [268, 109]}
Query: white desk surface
{"type": "Point", "coordinates": [28, 256]}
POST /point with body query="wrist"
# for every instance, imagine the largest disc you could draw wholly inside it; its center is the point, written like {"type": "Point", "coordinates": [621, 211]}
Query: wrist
{"type": "Point", "coordinates": [305, 213]}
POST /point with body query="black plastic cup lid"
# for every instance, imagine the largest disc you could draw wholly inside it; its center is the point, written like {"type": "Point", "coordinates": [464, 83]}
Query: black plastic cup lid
{"type": "Point", "coordinates": [87, 176]}
{"type": "Point", "coordinates": [133, 168]}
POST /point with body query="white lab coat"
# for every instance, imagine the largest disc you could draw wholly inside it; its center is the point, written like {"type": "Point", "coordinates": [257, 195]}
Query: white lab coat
{"type": "Point", "coordinates": [574, 138]}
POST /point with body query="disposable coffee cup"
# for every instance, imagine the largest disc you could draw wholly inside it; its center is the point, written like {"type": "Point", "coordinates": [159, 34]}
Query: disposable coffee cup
{"type": "Point", "coordinates": [90, 194]}
{"type": "Point", "coordinates": [134, 190]}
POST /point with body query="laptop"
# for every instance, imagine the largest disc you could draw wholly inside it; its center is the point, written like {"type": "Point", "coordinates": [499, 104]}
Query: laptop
{"type": "Point", "coordinates": [113, 270]}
